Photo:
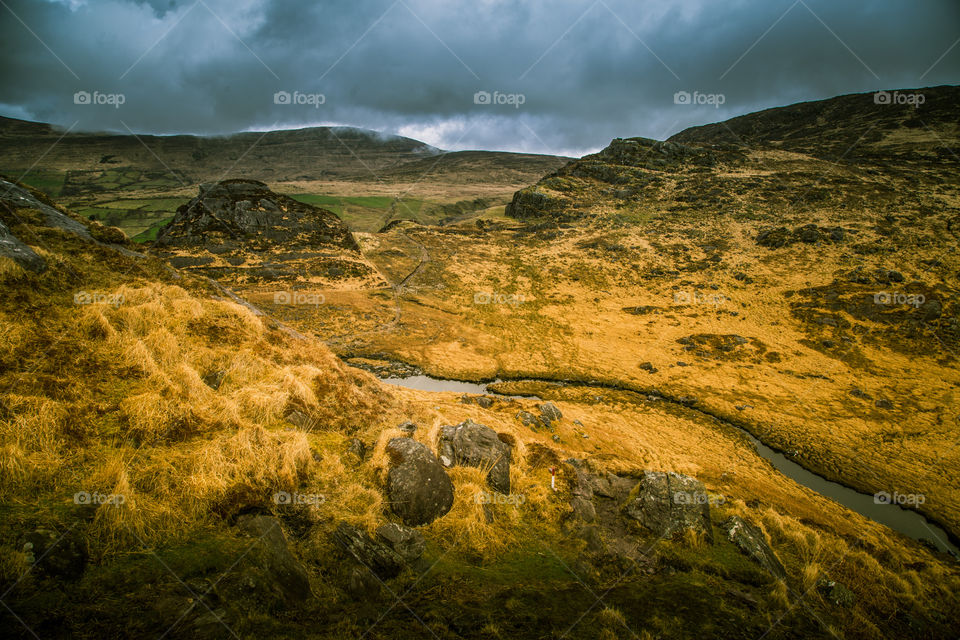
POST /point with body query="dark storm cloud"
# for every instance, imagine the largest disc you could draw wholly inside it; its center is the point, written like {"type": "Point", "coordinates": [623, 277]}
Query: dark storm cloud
{"type": "Point", "coordinates": [585, 71]}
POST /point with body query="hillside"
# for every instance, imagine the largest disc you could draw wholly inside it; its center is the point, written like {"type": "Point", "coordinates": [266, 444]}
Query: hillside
{"type": "Point", "coordinates": [177, 462]}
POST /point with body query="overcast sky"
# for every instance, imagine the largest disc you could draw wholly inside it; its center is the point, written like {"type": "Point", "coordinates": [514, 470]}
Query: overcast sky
{"type": "Point", "coordinates": [570, 75]}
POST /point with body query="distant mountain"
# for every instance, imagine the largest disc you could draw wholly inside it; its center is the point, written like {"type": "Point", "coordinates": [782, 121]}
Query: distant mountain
{"type": "Point", "coordinates": [849, 152]}
{"type": "Point", "coordinates": [315, 153]}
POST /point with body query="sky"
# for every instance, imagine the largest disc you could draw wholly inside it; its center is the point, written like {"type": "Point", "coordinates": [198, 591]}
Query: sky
{"type": "Point", "coordinates": [545, 76]}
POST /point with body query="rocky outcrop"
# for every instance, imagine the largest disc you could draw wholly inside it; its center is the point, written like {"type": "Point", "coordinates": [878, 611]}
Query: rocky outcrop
{"type": "Point", "coordinates": [667, 503]}
{"type": "Point", "coordinates": [232, 214]}
{"type": "Point", "coordinates": [11, 247]}
{"type": "Point", "coordinates": [476, 445]}
{"type": "Point", "coordinates": [751, 541]}
{"type": "Point", "coordinates": [418, 487]}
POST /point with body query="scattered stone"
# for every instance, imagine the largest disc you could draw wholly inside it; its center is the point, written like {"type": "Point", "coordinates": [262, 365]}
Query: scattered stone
{"type": "Point", "coordinates": [214, 379]}
{"type": "Point", "coordinates": [667, 503]}
{"type": "Point", "coordinates": [485, 402]}
{"type": "Point", "coordinates": [58, 555]}
{"type": "Point", "coordinates": [859, 393]}
{"type": "Point", "coordinates": [418, 487]}
{"type": "Point", "coordinates": [550, 412]}
{"type": "Point", "coordinates": [648, 367]}
{"type": "Point", "coordinates": [406, 542]}
{"type": "Point", "coordinates": [377, 558]}
{"type": "Point", "coordinates": [273, 567]}
{"type": "Point", "coordinates": [299, 419]}
{"type": "Point", "coordinates": [835, 593]}
{"type": "Point", "coordinates": [357, 448]}
{"type": "Point", "coordinates": [883, 404]}
{"type": "Point", "coordinates": [528, 419]}
{"type": "Point", "coordinates": [408, 428]}
{"type": "Point", "coordinates": [476, 445]}
{"type": "Point", "coordinates": [751, 541]}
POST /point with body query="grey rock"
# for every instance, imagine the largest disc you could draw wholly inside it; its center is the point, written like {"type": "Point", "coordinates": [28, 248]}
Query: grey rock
{"type": "Point", "coordinates": [418, 487]}
{"type": "Point", "coordinates": [278, 570]}
{"type": "Point", "coordinates": [667, 503]}
{"type": "Point", "coordinates": [751, 541]}
{"type": "Point", "coordinates": [549, 411]}
{"type": "Point", "coordinates": [835, 593]}
{"type": "Point", "coordinates": [476, 445]}
{"type": "Point", "coordinates": [528, 420]}
{"type": "Point", "coordinates": [408, 428]}
{"type": "Point", "coordinates": [357, 448]}
{"type": "Point", "coordinates": [59, 555]}
{"type": "Point", "coordinates": [11, 247]}
{"type": "Point", "coordinates": [376, 557]}
{"type": "Point", "coordinates": [406, 542]}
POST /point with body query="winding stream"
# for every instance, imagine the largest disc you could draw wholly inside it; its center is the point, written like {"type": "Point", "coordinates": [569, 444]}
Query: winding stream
{"type": "Point", "coordinates": [906, 521]}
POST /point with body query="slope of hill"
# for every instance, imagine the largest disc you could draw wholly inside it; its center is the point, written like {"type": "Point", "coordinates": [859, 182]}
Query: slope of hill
{"type": "Point", "coordinates": [812, 301]}
{"type": "Point", "coordinates": [177, 463]}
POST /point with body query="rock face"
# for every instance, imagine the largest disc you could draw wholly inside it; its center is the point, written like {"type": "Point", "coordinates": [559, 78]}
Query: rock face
{"type": "Point", "coordinates": [246, 212]}
{"type": "Point", "coordinates": [475, 445]}
{"type": "Point", "coordinates": [272, 567]}
{"type": "Point", "coordinates": [417, 485]}
{"type": "Point", "coordinates": [750, 540]}
{"type": "Point", "coordinates": [666, 503]}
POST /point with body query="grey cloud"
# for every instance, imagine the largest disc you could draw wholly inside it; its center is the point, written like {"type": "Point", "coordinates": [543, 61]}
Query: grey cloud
{"type": "Point", "coordinates": [584, 68]}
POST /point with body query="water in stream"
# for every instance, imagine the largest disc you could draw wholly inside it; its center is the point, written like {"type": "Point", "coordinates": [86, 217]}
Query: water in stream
{"type": "Point", "coordinates": [906, 521]}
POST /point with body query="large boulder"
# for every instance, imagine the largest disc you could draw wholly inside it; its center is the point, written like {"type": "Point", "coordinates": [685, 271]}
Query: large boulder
{"type": "Point", "coordinates": [475, 445]}
{"type": "Point", "coordinates": [270, 567]}
{"type": "Point", "coordinates": [751, 541]}
{"type": "Point", "coordinates": [667, 503]}
{"type": "Point", "coordinates": [418, 487]}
